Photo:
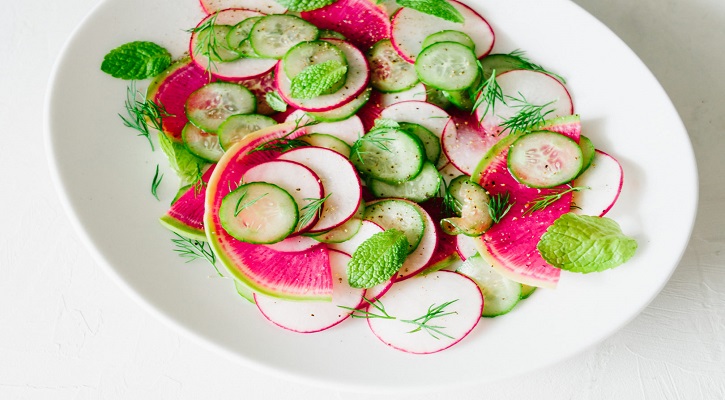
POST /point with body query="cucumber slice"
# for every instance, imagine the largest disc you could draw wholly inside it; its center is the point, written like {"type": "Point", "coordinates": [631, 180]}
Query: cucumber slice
{"type": "Point", "coordinates": [400, 215]}
{"type": "Point", "coordinates": [212, 104]}
{"type": "Point", "coordinates": [501, 294]}
{"type": "Point", "coordinates": [588, 151]}
{"type": "Point", "coordinates": [202, 144]}
{"type": "Point", "coordinates": [465, 99]}
{"type": "Point", "coordinates": [544, 159]}
{"type": "Point", "coordinates": [240, 32]}
{"type": "Point", "coordinates": [389, 155]}
{"type": "Point", "coordinates": [389, 71]}
{"type": "Point", "coordinates": [437, 97]}
{"type": "Point", "coordinates": [344, 112]}
{"type": "Point", "coordinates": [471, 205]}
{"type": "Point", "coordinates": [447, 66]}
{"type": "Point", "coordinates": [215, 37]}
{"type": "Point", "coordinates": [431, 142]}
{"type": "Point", "coordinates": [274, 35]}
{"type": "Point", "coordinates": [306, 54]}
{"type": "Point", "coordinates": [499, 62]}
{"type": "Point", "coordinates": [234, 128]}
{"type": "Point", "coordinates": [423, 187]}
{"type": "Point", "coordinates": [450, 36]}
{"type": "Point", "coordinates": [330, 34]}
{"type": "Point", "coordinates": [326, 141]}
{"type": "Point", "coordinates": [527, 291]}
{"type": "Point", "coordinates": [258, 212]}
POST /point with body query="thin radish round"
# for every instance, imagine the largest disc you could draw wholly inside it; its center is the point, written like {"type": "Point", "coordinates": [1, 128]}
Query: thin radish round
{"type": "Point", "coordinates": [357, 80]}
{"type": "Point", "coordinates": [417, 92]}
{"type": "Point", "coordinates": [339, 181]}
{"type": "Point", "coordinates": [457, 299]}
{"type": "Point", "coordinates": [315, 316]}
{"type": "Point", "coordinates": [466, 246]}
{"type": "Point", "coordinates": [294, 244]}
{"type": "Point", "coordinates": [467, 143]}
{"type": "Point", "coordinates": [242, 68]}
{"type": "Point", "coordinates": [410, 28]}
{"type": "Point", "coordinates": [604, 178]}
{"type": "Point", "coordinates": [449, 172]}
{"type": "Point", "coordinates": [298, 180]}
{"type": "Point", "coordinates": [348, 130]}
{"type": "Point", "coordinates": [263, 6]}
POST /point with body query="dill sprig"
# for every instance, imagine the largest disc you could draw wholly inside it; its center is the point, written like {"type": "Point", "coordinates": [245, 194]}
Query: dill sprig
{"type": "Point", "coordinates": [527, 116]}
{"type": "Point", "coordinates": [141, 113]}
{"type": "Point", "coordinates": [156, 182]}
{"type": "Point", "coordinates": [239, 207]}
{"type": "Point", "coordinates": [198, 184]}
{"type": "Point", "coordinates": [314, 208]}
{"type": "Point", "coordinates": [525, 63]}
{"type": "Point", "coordinates": [499, 205]}
{"type": "Point", "coordinates": [489, 93]}
{"type": "Point", "coordinates": [378, 305]}
{"type": "Point", "coordinates": [373, 137]}
{"type": "Point", "coordinates": [432, 313]}
{"type": "Point", "coordinates": [451, 205]}
{"type": "Point", "coordinates": [542, 202]}
{"type": "Point", "coordinates": [192, 249]}
{"type": "Point", "coordinates": [207, 43]}
{"type": "Point", "coordinates": [284, 143]}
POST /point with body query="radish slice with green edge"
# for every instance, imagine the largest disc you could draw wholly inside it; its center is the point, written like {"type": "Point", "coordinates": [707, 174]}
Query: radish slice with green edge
{"type": "Point", "coordinates": [410, 28]}
{"type": "Point", "coordinates": [501, 294]}
{"type": "Point", "coordinates": [357, 80]}
{"type": "Point", "coordinates": [417, 92]}
{"type": "Point", "coordinates": [263, 6]}
{"type": "Point", "coordinates": [340, 183]}
{"type": "Point", "coordinates": [465, 144]}
{"type": "Point", "coordinates": [424, 114]}
{"type": "Point", "coordinates": [604, 178]}
{"type": "Point", "coordinates": [429, 313]}
{"type": "Point", "coordinates": [294, 244]}
{"type": "Point", "coordinates": [186, 215]}
{"type": "Point", "coordinates": [362, 22]}
{"type": "Point", "coordinates": [298, 180]}
{"type": "Point", "coordinates": [242, 68]}
{"type": "Point", "coordinates": [466, 246]}
{"type": "Point", "coordinates": [348, 130]}
{"type": "Point", "coordinates": [315, 316]}
{"type": "Point", "coordinates": [536, 88]}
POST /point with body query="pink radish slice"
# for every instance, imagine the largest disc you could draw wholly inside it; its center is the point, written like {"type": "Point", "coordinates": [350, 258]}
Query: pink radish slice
{"type": "Point", "coordinates": [348, 130]}
{"type": "Point", "coordinates": [186, 215]}
{"type": "Point", "coordinates": [263, 6]}
{"type": "Point", "coordinates": [468, 143]}
{"type": "Point", "coordinates": [466, 246]}
{"type": "Point", "coordinates": [357, 79]}
{"type": "Point", "coordinates": [536, 88]}
{"type": "Point", "coordinates": [361, 21]}
{"type": "Point", "coordinates": [315, 316]}
{"type": "Point", "coordinates": [417, 92]}
{"type": "Point", "coordinates": [240, 69]}
{"type": "Point", "coordinates": [294, 244]}
{"type": "Point", "coordinates": [445, 251]}
{"type": "Point", "coordinates": [411, 27]}
{"type": "Point", "coordinates": [260, 86]}
{"type": "Point", "coordinates": [298, 180]}
{"type": "Point", "coordinates": [410, 300]}
{"type": "Point", "coordinates": [605, 178]}
{"type": "Point", "coordinates": [424, 114]}
{"type": "Point", "coordinates": [339, 181]}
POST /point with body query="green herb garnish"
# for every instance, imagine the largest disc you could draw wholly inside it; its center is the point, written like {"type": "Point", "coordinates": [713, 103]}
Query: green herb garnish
{"type": "Point", "coordinates": [378, 305]}
{"type": "Point", "coordinates": [316, 79]}
{"type": "Point", "coordinates": [311, 210]}
{"type": "Point", "coordinates": [304, 5]}
{"type": "Point", "coordinates": [156, 182]}
{"type": "Point", "coordinates": [188, 167]}
{"type": "Point", "coordinates": [437, 8]}
{"type": "Point", "coordinates": [525, 63]}
{"type": "Point", "coordinates": [542, 202]}
{"type": "Point", "coordinates": [239, 207]}
{"type": "Point", "coordinates": [194, 249]}
{"type": "Point", "coordinates": [527, 116]}
{"type": "Point", "coordinates": [284, 143]}
{"type": "Point", "coordinates": [433, 313]}
{"type": "Point", "coordinates": [274, 100]}
{"type": "Point", "coordinates": [207, 44]}
{"type": "Point", "coordinates": [489, 93]}
{"type": "Point", "coordinates": [377, 259]}
{"type": "Point", "coordinates": [141, 113]}
{"type": "Point", "coordinates": [375, 138]}
{"type": "Point", "coordinates": [499, 206]}
{"type": "Point", "coordinates": [136, 61]}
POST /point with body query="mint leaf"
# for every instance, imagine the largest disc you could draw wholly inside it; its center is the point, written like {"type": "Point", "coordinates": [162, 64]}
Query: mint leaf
{"type": "Point", "coordinates": [275, 101]}
{"type": "Point", "coordinates": [187, 165]}
{"type": "Point", "coordinates": [136, 60]}
{"type": "Point", "coordinates": [436, 8]}
{"type": "Point", "coordinates": [317, 79]}
{"type": "Point", "coordinates": [304, 5]}
{"type": "Point", "coordinates": [377, 259]}
{"type": "Point", "coordinates": [582, 243]}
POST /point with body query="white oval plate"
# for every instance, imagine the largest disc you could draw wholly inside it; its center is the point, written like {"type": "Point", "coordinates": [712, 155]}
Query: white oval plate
{"type": "Point", "coordinates": [104, 172]}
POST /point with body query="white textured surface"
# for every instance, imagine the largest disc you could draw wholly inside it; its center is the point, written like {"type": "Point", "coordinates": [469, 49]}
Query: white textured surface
{"type": "Point", "coordinates": [67, 332]}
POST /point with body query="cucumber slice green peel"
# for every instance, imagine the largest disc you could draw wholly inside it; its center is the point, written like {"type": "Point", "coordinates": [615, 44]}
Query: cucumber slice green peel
{"type": "Point", "coordinates": [212, 104]}
{"type": "Point", "coordinates": [390, 155]}
{"type": "Point", "coordinates": [307, 54]}
{"type": "Point", "coordinates": [400, 215]}
{"type": "Point", "coordinates": [544, 159]}
{"type": "Point", "coordinates": [447, 66]}
{"type": "Point", "coordinates": [501, 294]}
{"type": "Point", "coordinates": [471, 203]}
{"type": "Point", "coordinates": [273, 35]}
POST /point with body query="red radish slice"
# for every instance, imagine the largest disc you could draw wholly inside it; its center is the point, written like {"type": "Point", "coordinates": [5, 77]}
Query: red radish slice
{"type": "Point", "coordinates": [315, 316]}
{"type": "Point", "coordinates": [260, 86]}
{"type": "Point", "coordinates": [294, 244]}
{"type": "Point", "coordinates": [298, 180]}
{"type": "Point", "coordinates": [412, 299]}
{"type": "Point", "coordinates": [242, 68]}
{"type": "Point", "coordinates": [371, 110]}
{"type": "Point", "coordinates": [605, 178]}
{"type": "Point", "coordinates": [263, 6]}
{"type": "Point", "coordinates": [357, 79]}
{"type": "Point", "coordinates": [374, 293]}
{"type": "Point", "coordinates": [186, 215]}
{"type": "Point", "coordinates": [411, 27]}
{"type": "Point", "coordinates": [300, 275]}
{"type": "Point", "coordinates": [468, 142]}
{"type": "Point", "coordinates": [536, 88]}
{"type": "Point", "coordinates": [339, 181]}
{"type": "Point", "coordinates": [445, 252]}
{"type": "Point", "coordinates": [417, 92]}
{"type": "Point", "coordinates": [361, 21]}
{"type": "Point", "coordinates": [170, 91]}
{"type": "Point", "coordinates": [466, 246]}
{"type": "Point", "coordinates": [348, 130]}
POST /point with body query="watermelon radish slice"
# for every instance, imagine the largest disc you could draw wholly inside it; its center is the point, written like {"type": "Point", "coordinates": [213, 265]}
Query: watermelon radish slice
{"type": "Point", "coordinates": [170, 90]}
{"type": "Point", "coordinates": [361, 21]}
{"type": "Point", "coordinates": [298, 275]}
{"type": "Point", "coordinates": [414, 298]}
{"type": "Point", "coordinates": [263, 6]}
{"type": "Point", "coordinates": [186, 215]}
{"type": "Point", "coordinates": [510, 244]}
{"type": "Point", "coordinates": [569, 125]}
{"type": "Point", "coordinates": [315, 316]}
{"type": "Point", "coordinates": [294, 244]}
{"type": "Point", "coordinates": [358, 75]}
{"type": "Point", "coordinates": [348, 130]}
{"type": "Point", "coordinates": [242, 68]}
{"type": "Point", "coordinates": [605, 178]}
{"type": "Point", "coordinates": [411, 27]}
{"type": "Point", "coordinates": [465, 145]}
{"type": "Point", "coordinates": [339, 181]}
{"type": "Point", "coordinates": [537, 88]}
{"type": "Point", "coordinates": [298, 180]}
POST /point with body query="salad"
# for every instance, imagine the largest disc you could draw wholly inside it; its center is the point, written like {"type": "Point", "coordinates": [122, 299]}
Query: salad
{"type": "Point", "coordinates": [347, 159]}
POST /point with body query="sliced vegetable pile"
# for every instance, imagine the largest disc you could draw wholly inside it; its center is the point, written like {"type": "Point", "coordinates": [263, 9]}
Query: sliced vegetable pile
{"type": "Point", "coordinates": [348, 159]}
